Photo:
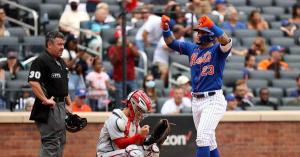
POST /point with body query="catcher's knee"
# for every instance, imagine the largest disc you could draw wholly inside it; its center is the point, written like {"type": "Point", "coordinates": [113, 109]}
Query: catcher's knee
{"type": "Point", "coordinates": [151, 150]}
{"type": "Point", "coordinates": [133, 151]}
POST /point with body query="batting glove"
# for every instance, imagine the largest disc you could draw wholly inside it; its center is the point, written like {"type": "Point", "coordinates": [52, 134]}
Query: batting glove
{"type": "Point", "coordinates": [165, 22]}
{"type": "Point", "coordinates": [205, 21]}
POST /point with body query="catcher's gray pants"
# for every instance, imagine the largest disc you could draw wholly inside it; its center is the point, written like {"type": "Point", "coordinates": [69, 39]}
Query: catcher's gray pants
{"type": "Point", "coordinates": [53, 133]}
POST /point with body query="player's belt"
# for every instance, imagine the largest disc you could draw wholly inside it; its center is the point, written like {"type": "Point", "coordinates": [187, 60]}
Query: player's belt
{"type": "Point", "coordinates": [59, 99]}
{"type": "Point", "coordinates": [202, 95]}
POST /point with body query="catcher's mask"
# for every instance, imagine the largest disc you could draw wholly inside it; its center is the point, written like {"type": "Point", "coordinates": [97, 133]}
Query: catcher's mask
{"type": "Point", "coordinates": [209, 36]}
{"type": "Point", "coordinates": [74, 123]}
{"type": "Point", "coordinates": [138, 102]}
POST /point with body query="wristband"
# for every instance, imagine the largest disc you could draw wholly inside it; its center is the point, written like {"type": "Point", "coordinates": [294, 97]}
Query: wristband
{"type": "Point", "coordinates": [167, 33]}
{"type": "Point", "coordinates": [217, 31]}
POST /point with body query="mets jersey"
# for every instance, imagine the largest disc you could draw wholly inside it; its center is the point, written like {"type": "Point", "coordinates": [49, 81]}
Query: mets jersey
{"type": "Point", "coordinates": [207, 64]}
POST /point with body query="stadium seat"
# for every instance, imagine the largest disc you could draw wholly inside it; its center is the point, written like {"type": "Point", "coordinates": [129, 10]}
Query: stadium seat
{"type": "Point", "coordinates": [181, 59]}
{"type": "Point", "coordinates": [108, 35]}
{"type": "Point", "coordinates": [260, 3]}
{"type": "Point", "coordinates": [61, 2]}
{"type": "Point", "coordinates": [34, 44]}
{"type": "Point", "coordinates": [291, 74]}
{"type": "Point", "coordinates": [295, 66]}
{"type": "Point", "coordinates": [52, 25]}
{"type": "Point", "coordinates": [107, 66]}
{"type": "Point", "coordinates": [246, 9]}
{"type": "Point", "coordinates": [285, 3]}
{"type": "Point", "coordinates": [227, 90]}
{"type": "Point", "coordinates": [259, 74]}
{"type": "Point", "coordinates": [284, 16]}
{"type": "Point", "coordinates": [237, 2]}
{"type": "Point", "coordinates": [8, 44]}
{"type": "Point", "coordinates": [22, 75]}
{"type": "Point", "coordinates": [297, 34]}
{"type": "Point", "coordinates": [256, 83]}
{"type": "Point", "coordinates": [182, 2]}
{"type": "Point", "coordinates": [275, 25]}
{"type": "Point", "coordinates": [269, 17]}
{"type": "Point", "coordinates": [231, 76]}
{"type": "Point", "coordinates": [166, 92]}
{"type": "Point", "coordinates": [32, 4]}
{"type": "Point", "coordinates": [261, 57]}
{"type": "Point", "coordinates": [215, 18]}
{"type": "Point", "coordinates": [286, 100]}
{"type": "Point", "coordinates": [17, 32]}
{"type": "Point", "coordinates": [234, 65]}
{"type": "Point", "coordinates": [150, 53]}
{"type": "Point", "coordinates": [160, 103]}
{"type": "Point", "coordinates": [271, 33]}
{"type": "Point", "coordinates": [114, 10]}
{"type": "Point", "coordinates": [132, 32]}
{"type": "Point", "coordinates": [54, 11]}
{"type": "Point", "coordinates": [110, 2]}
{"type": "Point", "coordinates": [283, 41]}
{"type": "Point", "coordinates": [12, 90]}
{"type": "Point", "coordinates": [294, 50]}
{"type": "Point", "coordinates": [159, 84]}
{"type": "Point", "coordinates": [292, 58]}
{"type": "Point", "coordinates": [186, 110]}
{"type": "Point", "coordinates": [247, 41]}
{"type": "Point", "coordinates": [235, 42]}
{"type": "Point", "coordinates": [273, 92]}
{"type": "Point", "coordinates": [236, 59]}
{"type": "Point", "coordinates": [293, 108]}
{"type": "Point", "coordinates": [255, 100]}
{"type": "Point", "coordinates": [242, 33]}
{"type": "Point", "coordinates": [243, 17]}
{"type": "Point", "coordinates": [273, 10]}
{"type": "Point", "coordinates": [283, 83]}
{"type": "Point", "coordinates": [259, 108]}
{"type": "Point", "coordinates": [288, 91]}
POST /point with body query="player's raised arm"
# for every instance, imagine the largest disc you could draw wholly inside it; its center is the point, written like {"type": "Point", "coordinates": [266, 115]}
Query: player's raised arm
{"type": "Point", "coordinates": [221, 36]}
{"type": "Point", "coordinates": [167, 34]}
{"type": "Point", "coordinates": [170, 40]}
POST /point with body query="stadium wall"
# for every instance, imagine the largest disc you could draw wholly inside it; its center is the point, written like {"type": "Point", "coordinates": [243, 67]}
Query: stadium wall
{"type": "Point", "coordinates": [240, 134]}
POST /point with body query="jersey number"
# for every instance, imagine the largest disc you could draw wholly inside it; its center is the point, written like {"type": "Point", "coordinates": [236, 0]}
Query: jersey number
{"type": "Point", "coordinates": [35, 74]}
{"type": "Point", "coordinates": [208, 70]}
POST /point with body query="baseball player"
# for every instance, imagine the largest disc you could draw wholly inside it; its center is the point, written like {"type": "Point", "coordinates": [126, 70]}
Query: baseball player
{"type": "Point", "coordinates": [207, 61]}
{"type": "Point", "coordinates": [122, 135]}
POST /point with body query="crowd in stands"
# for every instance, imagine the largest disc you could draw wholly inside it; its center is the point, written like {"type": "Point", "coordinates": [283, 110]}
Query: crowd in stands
{"type": "Point", "coordinates": [262, 71]}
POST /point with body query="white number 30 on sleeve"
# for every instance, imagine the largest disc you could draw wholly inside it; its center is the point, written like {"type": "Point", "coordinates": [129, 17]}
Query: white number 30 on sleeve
{"type": "Point", "coordinates": [35, 74]}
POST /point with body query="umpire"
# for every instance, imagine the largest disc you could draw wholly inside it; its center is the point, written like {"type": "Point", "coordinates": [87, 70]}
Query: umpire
{"type": "Point", "coordinates": [48, 78]}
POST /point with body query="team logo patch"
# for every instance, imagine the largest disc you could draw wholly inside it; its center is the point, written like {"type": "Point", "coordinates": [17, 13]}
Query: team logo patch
{"type": "Point", "coordinates": [55, 75]}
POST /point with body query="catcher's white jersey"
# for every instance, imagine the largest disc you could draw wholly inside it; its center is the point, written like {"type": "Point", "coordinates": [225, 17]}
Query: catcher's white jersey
{"type": "Point", "coordinates": [111, 131]}
{"type": "Point", "coordinates": [207, 112]}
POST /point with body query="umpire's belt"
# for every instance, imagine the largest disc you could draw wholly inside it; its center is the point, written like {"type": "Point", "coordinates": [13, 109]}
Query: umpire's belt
{"type": "Point", "coordinates": [59, 99]}
{"type": "Point", "coordinates": [203, 95]}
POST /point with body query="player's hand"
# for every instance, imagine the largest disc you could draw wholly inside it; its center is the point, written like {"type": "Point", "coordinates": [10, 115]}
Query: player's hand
{"type": "Point", "coordinates": [205, 21]}
{"type": "Point", "coordinates": [165, 22]}
{"type": "Point", "coordinates": [145, 130]}
{"type": "Point", "coordinates": [49, 102]}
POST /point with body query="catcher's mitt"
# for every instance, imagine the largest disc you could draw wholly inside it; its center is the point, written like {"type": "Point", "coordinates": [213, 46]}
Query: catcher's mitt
{"type": "Point", "coordinates": [74, 123]}
{"type": "Point", "coordinates": [159, 134]}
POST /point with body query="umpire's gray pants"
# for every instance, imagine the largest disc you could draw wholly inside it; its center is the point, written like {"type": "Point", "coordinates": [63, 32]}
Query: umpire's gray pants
{"type": "Point", "coordinates": [53, 133]}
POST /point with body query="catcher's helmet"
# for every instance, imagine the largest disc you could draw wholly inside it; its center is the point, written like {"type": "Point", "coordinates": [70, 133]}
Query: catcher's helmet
{"type": "Point", "coordinates": [138, 101]}
{"type": "Point", "coordinates": [74, 123]}
{"type": "Point", "coordinates": [210, 37]}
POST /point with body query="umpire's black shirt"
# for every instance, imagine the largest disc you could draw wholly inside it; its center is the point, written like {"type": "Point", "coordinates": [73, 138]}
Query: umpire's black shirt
{"type": "Point", "coordinates": [52, 75]}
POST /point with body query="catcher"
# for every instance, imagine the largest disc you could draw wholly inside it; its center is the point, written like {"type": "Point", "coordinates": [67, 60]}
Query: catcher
{"type": "Point", "coordinates": [122, 136]}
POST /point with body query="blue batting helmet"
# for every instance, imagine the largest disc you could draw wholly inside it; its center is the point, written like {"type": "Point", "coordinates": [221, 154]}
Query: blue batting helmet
{"type": "Point", "coordinates": [210, 37]}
